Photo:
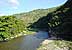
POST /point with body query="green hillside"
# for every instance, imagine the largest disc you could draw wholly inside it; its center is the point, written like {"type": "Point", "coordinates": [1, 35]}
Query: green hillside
{"type": "Point", "coordinates": [10, 26]}
{"type": "Point", "coordinates": [56, 19]}
{"type": "Point", "coordinates": [33, 16]}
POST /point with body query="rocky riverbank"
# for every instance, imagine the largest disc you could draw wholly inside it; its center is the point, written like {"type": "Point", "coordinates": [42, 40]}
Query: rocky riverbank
{"type": "Point", "coordinates": [12, 37]}
{"type": "Point", "coordinates": [55, 45]}
{"type": "Point", "coordinates": [24, 33]}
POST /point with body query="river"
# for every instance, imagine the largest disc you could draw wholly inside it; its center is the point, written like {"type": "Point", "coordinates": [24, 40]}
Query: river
{"type": "Point", "coordinates": [29, 42]}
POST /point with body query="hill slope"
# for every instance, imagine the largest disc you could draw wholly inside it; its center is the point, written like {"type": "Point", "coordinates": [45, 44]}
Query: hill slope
{"type": "Point", "coordinates": [65, 13]}
{"type": "Point", "coordinates": [58, 19]}
{"type": "Point", "coordinates": [33, 16]}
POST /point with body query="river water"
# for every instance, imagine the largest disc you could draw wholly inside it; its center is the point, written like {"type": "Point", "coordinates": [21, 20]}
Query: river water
{"type": "Point", "coordinates": [29, 42]}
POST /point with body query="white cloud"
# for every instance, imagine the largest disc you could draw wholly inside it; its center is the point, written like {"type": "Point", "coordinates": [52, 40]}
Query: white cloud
{"type": "Point", "coordinates": [11, 3]}
{"type": "Point", "coordinates": [1, 14]}
{"type": "Point", "coordinates": [14, 3]}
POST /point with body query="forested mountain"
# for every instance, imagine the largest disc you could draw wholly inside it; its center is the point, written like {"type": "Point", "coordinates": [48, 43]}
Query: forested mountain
{"type": "Point", "coordinates": [65, 15]}
{"type": "Point", "coordinates": [56, 19]}
{"type": "Point", "coordinates": [33, 16]}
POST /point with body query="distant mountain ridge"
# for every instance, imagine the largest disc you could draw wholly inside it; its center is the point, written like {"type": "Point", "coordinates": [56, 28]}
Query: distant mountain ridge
{"type": "Point", "coordinates": [59, 19]}
{"type": "Point", "coordinates": [33, 16]}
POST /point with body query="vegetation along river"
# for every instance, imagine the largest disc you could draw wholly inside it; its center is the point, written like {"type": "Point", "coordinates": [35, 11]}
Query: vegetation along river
{"type": "Point", "coordinates": [29, 42]}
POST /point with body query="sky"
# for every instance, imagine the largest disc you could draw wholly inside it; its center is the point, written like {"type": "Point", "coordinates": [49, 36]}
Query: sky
{"type": "Point", "coordinates": [9, 7]}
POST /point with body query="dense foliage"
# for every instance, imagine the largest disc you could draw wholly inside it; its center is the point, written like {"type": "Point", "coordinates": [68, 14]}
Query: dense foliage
{"type": "Point", "coordinates": [10, 26]}
{"type": "Point", "coordinates": [33, 16]}
{"type": "Point", "coordinates": [64, 30]}
{"type": "Point", "coordinates": [58, 19]}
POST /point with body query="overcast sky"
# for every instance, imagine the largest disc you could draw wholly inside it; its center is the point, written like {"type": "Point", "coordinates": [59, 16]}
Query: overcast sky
{"type": "Point", "coordinates": [18, 6]}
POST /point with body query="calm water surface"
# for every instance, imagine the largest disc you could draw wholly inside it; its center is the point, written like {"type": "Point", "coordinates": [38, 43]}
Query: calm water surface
{"type": "Point", "coordinates": [29, 42]}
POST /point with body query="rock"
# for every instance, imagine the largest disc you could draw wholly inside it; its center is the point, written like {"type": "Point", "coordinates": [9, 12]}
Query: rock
{"type": "Point", "coordinates": [16, 36]}
{"type": "Point", "coordinates": [24, 31]}
{"type": "Point", "coordinates": [51, 45]}
{"type": "Point", "coordinates": [25, 34]}
{"type": "Point", "coordinates": [46, 42]}
{"type": "Point", "coordinates": [11, 37]}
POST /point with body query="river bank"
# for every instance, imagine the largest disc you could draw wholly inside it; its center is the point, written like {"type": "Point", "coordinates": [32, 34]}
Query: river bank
{"type": "Point", "coordinates": [28, 42]}
{"type": "Point", "coordinates": [24, 33]}
{"type": "Point", "coordinates": [55, 45]}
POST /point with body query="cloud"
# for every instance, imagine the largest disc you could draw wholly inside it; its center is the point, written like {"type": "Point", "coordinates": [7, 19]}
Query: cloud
{"type": "Point", "coordinates": [14, 3]}
{"type": "Point", "coordinates": [11, 3]}
{"type": "Point", "coordinates": [1, 14]}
